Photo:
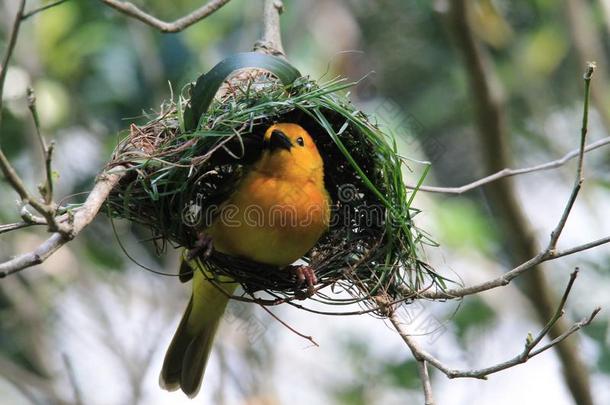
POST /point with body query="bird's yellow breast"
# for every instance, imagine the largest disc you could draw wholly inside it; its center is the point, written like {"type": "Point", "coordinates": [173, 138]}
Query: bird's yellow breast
{"type": "Point", "coordinates": [272, 219]}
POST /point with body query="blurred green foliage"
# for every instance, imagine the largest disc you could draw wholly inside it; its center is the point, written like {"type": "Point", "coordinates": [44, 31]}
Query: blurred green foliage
{"type": "Point", "coordinates": [464, 226]}
{"type": "Point", "coordinates": [600, 331]}
{"type": "Point", "coordinates": [474, 313]}
{"type": "Point", "coordinates": [396, 374]}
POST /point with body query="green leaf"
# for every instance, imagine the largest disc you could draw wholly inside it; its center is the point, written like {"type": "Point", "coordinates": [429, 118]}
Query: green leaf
{"type": "Point", "coordinates": [208, 84]}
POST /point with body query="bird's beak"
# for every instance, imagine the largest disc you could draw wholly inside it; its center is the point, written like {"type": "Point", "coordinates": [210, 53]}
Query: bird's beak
{"type": "Point", "coordinates": [278, 140]}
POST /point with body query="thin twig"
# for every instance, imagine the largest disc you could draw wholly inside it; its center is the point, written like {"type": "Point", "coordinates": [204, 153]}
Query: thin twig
{"type": "Point", "coordinates": [12, 40]}
{"type": "Point", "coordinates": [293, 330]}
{"type": "Point", "coordinates": [530, 350]}
{"type": "Point", "coordinates": [46, 210]}
{"type": "Point", "coordinates": [41, 8]}
{"type": "Point", "coordinates": [17, 225]}
{"type": "Point", "coordinates": [550, 252]}
{"type": "Point", "coordinates": [587, 42]}
{"type": "Point", "coordinates": [580, 248]}
{"type": "Point", "coordinates": [492, 122]}
{"type": "Point", "coordinates": [507, 277]}
{"type": "Point", "coordinates": [530, 344]}
{"type": "Point", "coordinates": [178, 25]}
{"type": "Point", "coordinates": [581, 158]}
{"type": "Point", "coordinates": [82, 217]}
{"type": "Point", "coordinates": [46, 189]}
{"type": "Point", "coordinates": [422, 368]}
{"type": "Point", "coordinates": [512, 172]}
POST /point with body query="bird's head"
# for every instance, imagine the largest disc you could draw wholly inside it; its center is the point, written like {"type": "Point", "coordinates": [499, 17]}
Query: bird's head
{"type": "Point", "coordinates": [290, 152]}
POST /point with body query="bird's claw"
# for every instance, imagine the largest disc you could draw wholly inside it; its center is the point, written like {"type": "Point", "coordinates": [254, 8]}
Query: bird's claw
{"type": "Point", "coordinates": [305, 275]}
{"type": "Point", "coordinates": [203, 247]}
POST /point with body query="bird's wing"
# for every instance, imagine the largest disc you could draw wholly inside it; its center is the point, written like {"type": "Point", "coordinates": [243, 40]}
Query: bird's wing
{"type": "Point", "coordinates": [230, 162]}
{"type": "Point", "coordinates": [244, 148]}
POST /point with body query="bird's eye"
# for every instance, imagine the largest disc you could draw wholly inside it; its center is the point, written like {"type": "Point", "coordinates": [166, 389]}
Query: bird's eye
{"type": "Point", "coordinates": [300, 141]}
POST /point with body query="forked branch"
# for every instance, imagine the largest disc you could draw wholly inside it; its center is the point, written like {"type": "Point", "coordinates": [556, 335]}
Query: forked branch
{"type": "Point", "coordinates": [63, 227]}
{"type": "Point", "coordinates": [75, 223]}
{"type": "Point", "coordinates": [531, 349]}
{"type": "Point", "coordinates": [550, 252]}
{"type": "Point", "coordinates": [178, 25]}
{"type": "Point", "coordinates": [512, 172]}
{"type": "Point", "coordinates": [66, 226]}
{"type": "Point", "coordinates": [532, 344]}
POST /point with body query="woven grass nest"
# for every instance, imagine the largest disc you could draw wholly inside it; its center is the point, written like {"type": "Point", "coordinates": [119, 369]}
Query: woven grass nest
{"type": "Point", "coordinates": [189, 156]}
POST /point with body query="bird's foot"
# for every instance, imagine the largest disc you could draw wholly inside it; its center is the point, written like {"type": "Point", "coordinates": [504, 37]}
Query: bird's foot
{"type": "Point", "coordinates": [305, 275]}
{"type": "Point", "coordinates": [203, 247]}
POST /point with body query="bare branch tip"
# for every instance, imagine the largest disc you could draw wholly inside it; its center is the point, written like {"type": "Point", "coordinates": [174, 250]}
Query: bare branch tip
{"type": "Point", "coordinates": [596, 311]}
{"type": "Point", "coordinates": [572, 280]}
{"type": "Point", "coordinates": [31, 97]}
{"type": "Point", "coordinates": [279, 5]}
{"type": "Point", "coordinates": [591, 66]}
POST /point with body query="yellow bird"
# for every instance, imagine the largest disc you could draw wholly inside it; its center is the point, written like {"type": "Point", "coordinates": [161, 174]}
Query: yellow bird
{"type": "Point", "coordinates": [279, 210]}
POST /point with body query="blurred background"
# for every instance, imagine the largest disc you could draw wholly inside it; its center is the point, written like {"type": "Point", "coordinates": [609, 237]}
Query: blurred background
{"type": "Point", "coordinates": [90, 326]}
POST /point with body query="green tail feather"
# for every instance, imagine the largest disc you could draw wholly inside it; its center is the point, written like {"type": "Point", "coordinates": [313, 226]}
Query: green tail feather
{"type": "Point", "coordinates": [190, 348]}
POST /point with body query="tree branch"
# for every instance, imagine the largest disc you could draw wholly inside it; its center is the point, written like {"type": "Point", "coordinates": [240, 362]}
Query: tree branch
{"type": "Point", "coordinates": [422, 368]}
{"type": "Point", "coordinates": [519, 240]}
{"type": "Point", "coordinates": [64, 228]}
{"type": "Point", "coordinates": [17, 225]}
{"type": "Point", "coordinates": [178, 25]}
{"type": "Point", "coordinates": [550, 252]}
{"type": "Point", "coordinates": [530, 350]}
{"type": "Point", "coordinates": [12, 40]}
{"type": "Point", "coordinates": [507, 277]}
{"type": "Point", "coordinates": [579, 168]}
{"type": "Point", "coordinates": [271, 40]}
{"type": "Point", "coordinates": [46, 189]}
{"type": "Point", "coordinates": [47, 210]}
{"type": "Point", "coordinates": [82, 217]}
{"type": "Point", "coordinates": [31, 13]}
{"type": "Point", "coordinates": [513, 172]}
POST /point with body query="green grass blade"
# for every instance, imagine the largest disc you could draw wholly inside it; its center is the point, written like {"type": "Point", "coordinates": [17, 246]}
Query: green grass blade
{"type": "Point", "coordinates": [208, 84]}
